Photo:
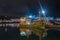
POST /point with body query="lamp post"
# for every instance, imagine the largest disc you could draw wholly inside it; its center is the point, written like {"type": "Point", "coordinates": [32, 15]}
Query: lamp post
{"type": "Point", "coordinates": [44, 21]}
{"type": "Point", "coordinates": [28, 31]}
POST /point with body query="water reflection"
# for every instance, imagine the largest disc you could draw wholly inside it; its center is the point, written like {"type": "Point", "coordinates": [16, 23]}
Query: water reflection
{"type": "Point", "coordinates": [13, 33]}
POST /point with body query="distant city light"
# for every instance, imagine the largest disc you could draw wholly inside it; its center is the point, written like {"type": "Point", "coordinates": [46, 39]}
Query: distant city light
{"type": "Point", "coordinates": [22, 19]}
{"type": "Point", "coordinates": [28, 23]}
{"type": "Point", "coordinates": [30, 16]}
{"type": "Point", "coordinates": [58, 19]}
{"type": "Point", "coordinates": [49, 18]}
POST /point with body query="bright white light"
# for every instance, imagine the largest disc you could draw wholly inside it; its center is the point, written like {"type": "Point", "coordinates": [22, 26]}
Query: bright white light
{"type": "Point", "coordinates": [22, 19]}
{"type": "Point", "coordinates": [43, 11]}
{"type": "Point", "coordinates": [22, 33]}
{"type": "Point", "coordinates": [28, 23]}
{"type": "Point", "coordinates": [30, 16]}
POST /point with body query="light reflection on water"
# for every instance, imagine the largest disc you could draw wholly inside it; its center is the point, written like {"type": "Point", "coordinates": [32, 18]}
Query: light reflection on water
{"type": "Point", "coordinates": [12, 25]}
{"type": "Point", "coordinates": [14, 33]}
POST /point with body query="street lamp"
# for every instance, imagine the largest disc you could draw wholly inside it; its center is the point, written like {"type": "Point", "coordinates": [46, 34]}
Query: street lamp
{"type": "Point", "coordinates": [44, 14]}
{"type": "Point", "coordinates": [43, 11]}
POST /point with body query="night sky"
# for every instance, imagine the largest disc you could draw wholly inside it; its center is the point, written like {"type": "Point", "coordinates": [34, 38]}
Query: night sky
{"type": "Point", "coordinates": [24, 7]}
